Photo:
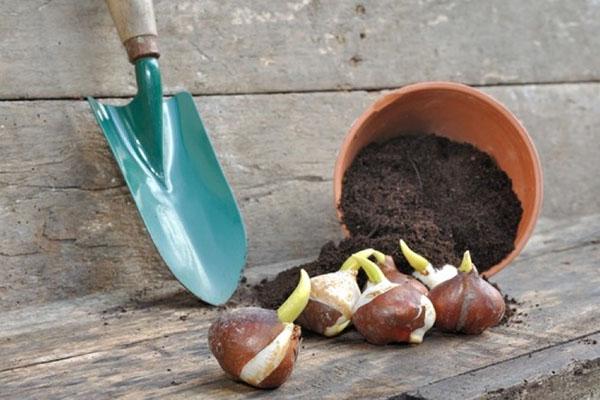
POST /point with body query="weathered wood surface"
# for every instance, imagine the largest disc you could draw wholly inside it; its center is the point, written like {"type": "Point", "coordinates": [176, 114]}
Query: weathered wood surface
{"type": "Point", "coordinates": [103, 347]}
{"type": "Point", "coordinates": [69, 226]}
{"type": "Point", "coordinates": [69, 48]}
{"type": "Point", "coordinates": [567, 371]}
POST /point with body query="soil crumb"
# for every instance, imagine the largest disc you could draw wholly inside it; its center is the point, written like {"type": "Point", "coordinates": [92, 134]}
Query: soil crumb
{"type": "Point", "coordinates": [511, 309]}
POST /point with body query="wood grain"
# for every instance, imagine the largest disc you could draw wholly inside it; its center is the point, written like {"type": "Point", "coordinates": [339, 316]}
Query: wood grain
{"type": "Point", "coordinates": [71, 229]}
{"type": "Point", "coordinates": [104, 347]}
{"type": "Point", "coordinates": [132, 18]}
{"type": "Point", "coordinates": [69, 48]}
{"type": "Point", "coordinates": [136, 25]}
{"type": "Point", "coordinates": [566, 371]}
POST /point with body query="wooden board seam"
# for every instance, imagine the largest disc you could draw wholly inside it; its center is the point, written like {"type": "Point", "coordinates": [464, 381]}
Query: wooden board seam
{"type": "Point", "coordinates": [357, 89]}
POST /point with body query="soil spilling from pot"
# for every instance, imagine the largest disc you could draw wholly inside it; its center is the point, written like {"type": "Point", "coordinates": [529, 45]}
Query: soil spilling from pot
{"type": "Point", "coordinates": [441, 197]}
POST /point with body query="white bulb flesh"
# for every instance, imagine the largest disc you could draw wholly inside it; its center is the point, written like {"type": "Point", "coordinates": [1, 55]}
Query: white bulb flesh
{"type": "Point", "coordinates": [416, 336]}
{"type": "Point", "coordinates": [268, 359]}
{"type": "Point", "coordinates": [433, 276]}
{"type": "Point", "coordinates": [372, 291]}
{"type": "Point", "coordinates": [338, 290]}
{"type": "Point", "coordinates": [336, 328]}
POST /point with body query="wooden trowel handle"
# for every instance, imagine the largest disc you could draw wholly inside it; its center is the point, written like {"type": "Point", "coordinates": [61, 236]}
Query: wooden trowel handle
{"type": "Point", "coordinates": [136, 25]}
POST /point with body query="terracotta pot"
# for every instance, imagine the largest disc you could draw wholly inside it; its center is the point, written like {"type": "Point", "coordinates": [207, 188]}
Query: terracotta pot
{"type": "Point", "coordinates": [463, 114]}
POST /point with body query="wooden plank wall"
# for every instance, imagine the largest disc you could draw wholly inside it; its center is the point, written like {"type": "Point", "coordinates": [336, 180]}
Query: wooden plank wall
{"type": "Point", "coordinates": [79, 233]}
{"type": "Point", "coordinates": [69, 48]}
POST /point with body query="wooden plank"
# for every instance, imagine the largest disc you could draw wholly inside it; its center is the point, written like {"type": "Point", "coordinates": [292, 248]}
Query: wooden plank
{"type": "Point", "coordinates": [117, 312]}
{"type": "Point", "coordinates": [561, 139]}
{"type": "Point", "coordinates": [67, 48]}
{"type": "Point", "coordinates": [567, 371]}
{"type": "Point", "coordinates": [97, 350]}
{"type": "Point", "coordinates": [71, 229]}
{"type": "Point", "coordinates": [579, 380]}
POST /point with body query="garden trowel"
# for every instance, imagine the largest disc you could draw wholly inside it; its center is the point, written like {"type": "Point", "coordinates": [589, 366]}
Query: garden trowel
{"type": "Point", "coordinates": [171, 169]}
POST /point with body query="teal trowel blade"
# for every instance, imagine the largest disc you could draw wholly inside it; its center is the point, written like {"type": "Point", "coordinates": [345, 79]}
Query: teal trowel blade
{"type": "Point", "coordinates": [177, 183]}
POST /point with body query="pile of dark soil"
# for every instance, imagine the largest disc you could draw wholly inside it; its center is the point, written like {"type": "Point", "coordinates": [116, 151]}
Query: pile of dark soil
{"type": "Point", "coordinates": [440, 196]}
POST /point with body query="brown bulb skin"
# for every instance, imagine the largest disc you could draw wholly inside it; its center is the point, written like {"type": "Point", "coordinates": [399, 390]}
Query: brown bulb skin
{"type": "Point", "coordinates": [317, 317]}
{"type": "Point", "coordinates": [390, 317]}
{"type": "Point", "coordinates": [467, 304]}
{"type": "Point", "coordinates": [391, 272]}
{"type": "Point", "coordinates": [332, 298]}
{"type": "Point", "coordinates": [237, 336]}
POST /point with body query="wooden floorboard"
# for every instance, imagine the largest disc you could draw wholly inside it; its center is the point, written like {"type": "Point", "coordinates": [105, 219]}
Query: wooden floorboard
{"type": "Point", "coordinates": [569, 370]}
{"type": "Point", "coordinates": [68, 48]}
{"type": "Point", "coordinates": [98, 348]}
